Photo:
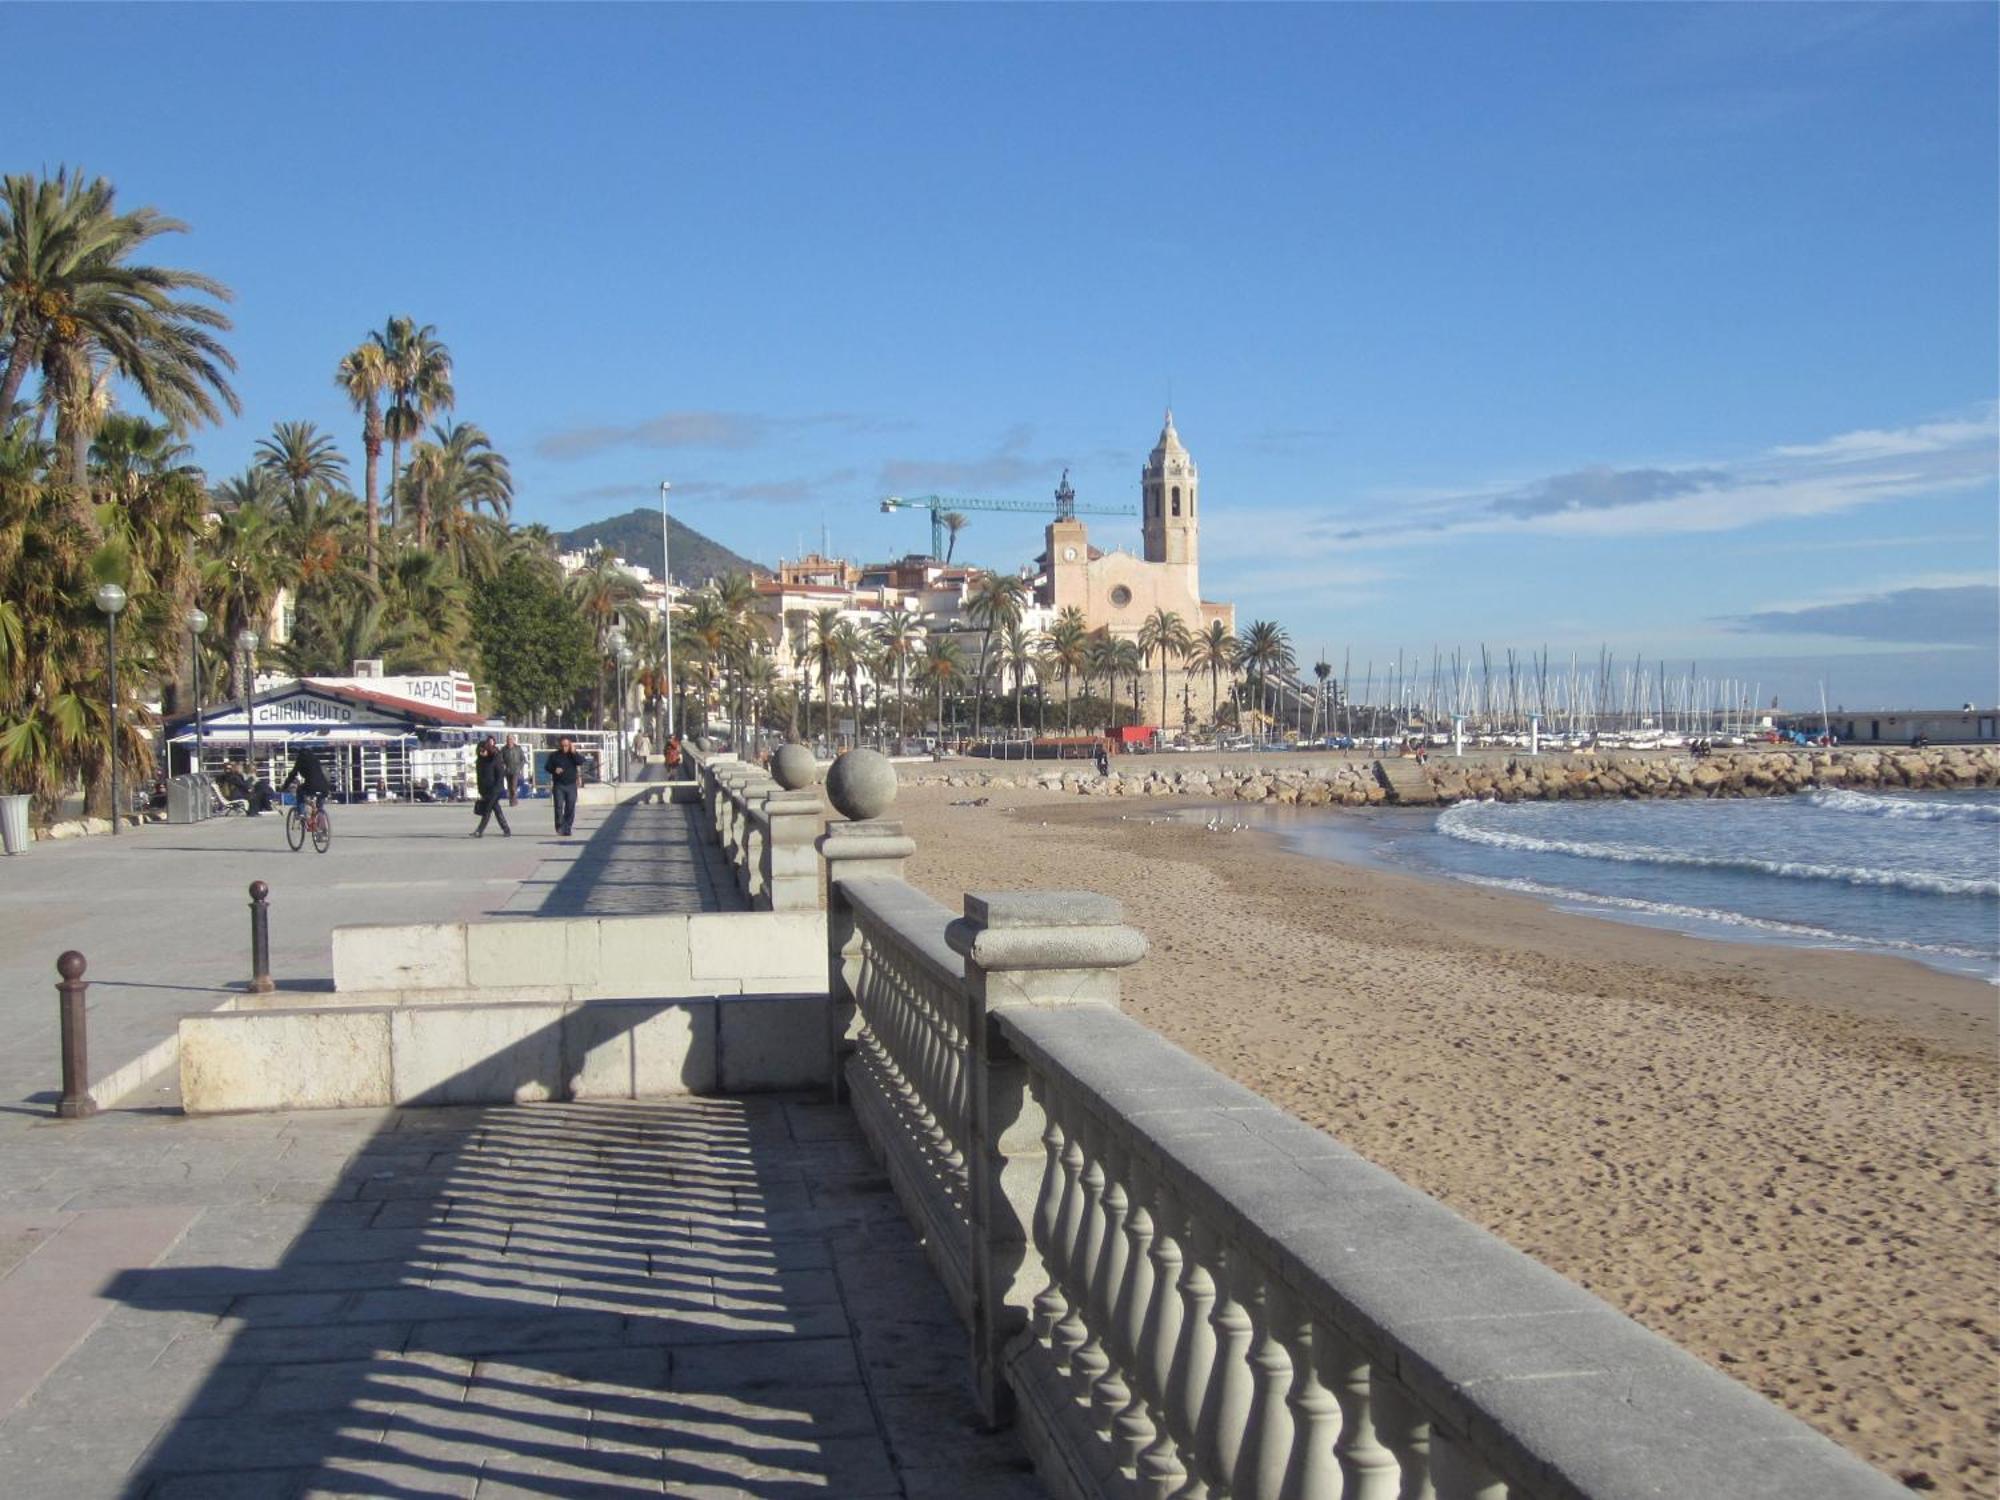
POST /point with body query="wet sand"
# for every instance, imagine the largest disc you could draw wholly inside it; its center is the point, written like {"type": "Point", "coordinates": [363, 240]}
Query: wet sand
{"type": "Point", "coordinates": [1781, 1159]}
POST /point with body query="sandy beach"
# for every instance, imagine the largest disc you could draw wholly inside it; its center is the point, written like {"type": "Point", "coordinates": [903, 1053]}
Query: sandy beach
{"type": "Point", "coordinates": [1781, 1159]}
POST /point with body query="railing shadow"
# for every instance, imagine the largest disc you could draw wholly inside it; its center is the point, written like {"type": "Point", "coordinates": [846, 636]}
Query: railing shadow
{"type": "Point", "coordinates": [569, 1299]}
{"type": "Point", "coordinates": [645, 858]}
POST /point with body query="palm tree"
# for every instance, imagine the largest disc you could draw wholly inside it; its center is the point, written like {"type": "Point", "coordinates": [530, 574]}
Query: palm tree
{"type": "Point", "coordinates": [128, 448]}
{"type": "Point", "coordinates": [1322, 670]}
{"type": "Point", "coordinates": [364, 375]}
{"type": "Point", "coordinates": [1101, 660]}
{"type": "Point", "coordinates": [1018, 655]}
{"type": "Point", "coordinates": [1265, 648]}
{"type": "Point", "coordinates": [453, 475]}
{"type": "Point", "coordinates": [1214, 652]}
{"type": "Point", "coordinates": [1126, 660]}
{"type": "Point", "coordinates": [953, 524]}
{"type": "Point", "coordinates": [993, 602]}
{"type": "Point", "coordinates": [823, 648]}
{"type": "Point", "coordinates": [942, 664]}
{"type": "Point", "coordinates": [1163, 633]}
{"type": "Point", "coordinates": [851, 649]}
{"type": "Point", "coordinates": [605, 593]}
{"type": "Point", "coordinates": [74, 307]}
{"type": "Point", "coordinates": [419, 384]}
{"type": "Point", "coordinates": [896, 637]}
{"type": "Point", "coordinates": [303, 459]}
{"type": "Point", "coordinates": [1069, 648]}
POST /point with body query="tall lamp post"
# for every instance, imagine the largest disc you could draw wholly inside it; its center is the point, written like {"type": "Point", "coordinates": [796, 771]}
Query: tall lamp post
{"type": "Point", "coordinates": [246, 642]}
{"type": "Point", "coordinates": [667, 604]}
{"type": "Point", "coordinates": [111, 599]}
{"type": "Point", "coordinates": [197, 622]}
{"type": "Point", "coordinates": [624, 668]}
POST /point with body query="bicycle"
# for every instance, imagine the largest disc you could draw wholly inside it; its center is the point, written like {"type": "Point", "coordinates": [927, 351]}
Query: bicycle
{"type": "Point", "coordinates": [306, 819]}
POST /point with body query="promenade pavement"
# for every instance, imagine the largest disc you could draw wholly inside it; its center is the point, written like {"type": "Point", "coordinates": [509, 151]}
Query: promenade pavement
{"type": "Point", "coordinates": [161, 912]}
{"type": "Point", "coordinates": [713, 1297]}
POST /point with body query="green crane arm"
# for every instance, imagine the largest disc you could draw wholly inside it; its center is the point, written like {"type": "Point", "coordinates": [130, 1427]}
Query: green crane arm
{"type": "Point", "coordinates": [937, 505]}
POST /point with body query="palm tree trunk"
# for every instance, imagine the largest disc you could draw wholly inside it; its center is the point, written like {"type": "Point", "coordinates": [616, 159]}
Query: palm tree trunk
{"type": "Point", "coordinates": [26, 351]}
{"type": "Point", "coordinates": [371, 447]}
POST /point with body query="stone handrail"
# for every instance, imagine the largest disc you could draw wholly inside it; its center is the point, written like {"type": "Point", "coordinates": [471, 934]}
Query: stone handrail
{"type": "Point", "coordinates": [908, 1072]}
{"type": "Point", "coordinates": [1182, 1291]}
{"type": "Point", "coordinates": [765, 831]}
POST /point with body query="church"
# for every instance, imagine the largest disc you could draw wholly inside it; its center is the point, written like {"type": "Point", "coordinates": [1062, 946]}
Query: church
{"type": "Point", "coordinates": [1117, 591]}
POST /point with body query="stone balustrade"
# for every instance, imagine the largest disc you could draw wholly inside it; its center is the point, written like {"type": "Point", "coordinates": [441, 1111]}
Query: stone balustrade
{"type": "Point", "coordinates": [1183, 1293]}
{"type": "Point", "coordinates": [766, 830]}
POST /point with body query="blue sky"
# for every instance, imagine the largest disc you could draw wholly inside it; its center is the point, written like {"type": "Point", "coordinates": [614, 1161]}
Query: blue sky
{"type": "Point", "coordinates": [1666, 328]}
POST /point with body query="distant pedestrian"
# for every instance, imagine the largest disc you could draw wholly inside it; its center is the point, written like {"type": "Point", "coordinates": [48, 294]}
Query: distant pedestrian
{"type": "Point", "coordinates": [565, 768]}
{"type": "Point", "coordinates": [490, 774]}
{"type": "Point", "coordinates": [514, 760]}
{"type": "Point", "coordinates": [673, 756]}
{"type": "Point", "coordinates": [1103, 760]}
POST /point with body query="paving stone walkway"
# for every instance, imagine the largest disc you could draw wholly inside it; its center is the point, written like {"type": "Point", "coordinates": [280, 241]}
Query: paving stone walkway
{"type": "Point", "coordinates": [648, 857]}
{"type": "Point", "coordinates": [712, 1297]}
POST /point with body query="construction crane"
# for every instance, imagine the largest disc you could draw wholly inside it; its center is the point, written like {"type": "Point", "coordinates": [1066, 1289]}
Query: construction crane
{"type": "Point", "coordinates": [938, 505]}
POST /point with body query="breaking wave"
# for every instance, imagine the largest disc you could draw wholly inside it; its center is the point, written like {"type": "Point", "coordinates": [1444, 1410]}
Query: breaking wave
{"type": "Point", "coordinates": [1456, 822]}
{"type": "Point", "coordinates": [1870, 805]}
{"type": "Point", "coordinates": [1800, 930]}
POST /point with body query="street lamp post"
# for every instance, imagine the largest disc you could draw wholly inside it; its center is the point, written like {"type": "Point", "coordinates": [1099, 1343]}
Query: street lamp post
{"type": "Point", "coordinates": [197, 622]}
{"type": "Point", "coordinates": [246, 642]}
{"type": "Point", "coordinates": [667, 603]}
{"type": "Point", "coordinates": [624, 666]}
{"type": "Point", "coordinates": [111, 599]}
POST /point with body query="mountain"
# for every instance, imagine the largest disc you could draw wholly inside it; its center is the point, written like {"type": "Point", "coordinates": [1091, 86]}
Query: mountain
{"type": "Point", "coordinates": [635, 536]}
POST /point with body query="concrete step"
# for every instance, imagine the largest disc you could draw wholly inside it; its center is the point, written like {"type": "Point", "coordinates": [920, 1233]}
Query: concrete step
{"type": "Point", "coordinates": [1405, 782]}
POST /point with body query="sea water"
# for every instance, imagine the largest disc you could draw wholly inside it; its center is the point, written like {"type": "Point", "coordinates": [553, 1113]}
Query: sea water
{"type": "Point", "coordinates": [1916, 874]}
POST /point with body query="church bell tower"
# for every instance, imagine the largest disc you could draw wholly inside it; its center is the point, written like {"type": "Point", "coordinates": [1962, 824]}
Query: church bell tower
{"type": "Point", "coordinates": [1168, 484]}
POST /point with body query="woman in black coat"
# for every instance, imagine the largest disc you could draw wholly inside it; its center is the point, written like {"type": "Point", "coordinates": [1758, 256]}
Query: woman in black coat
{"type": "Point", "coordinates": [490, 775]}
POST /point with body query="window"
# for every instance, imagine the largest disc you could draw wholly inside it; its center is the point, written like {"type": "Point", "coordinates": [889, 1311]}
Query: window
{"type": "Point", "coordinates": [1120, 597]}
{"type": "Point", "coordinates": [1177, 499]}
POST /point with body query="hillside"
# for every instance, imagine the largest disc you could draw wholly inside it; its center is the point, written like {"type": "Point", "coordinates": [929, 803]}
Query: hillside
{"type": "Point", "coordinates": [635, 536]}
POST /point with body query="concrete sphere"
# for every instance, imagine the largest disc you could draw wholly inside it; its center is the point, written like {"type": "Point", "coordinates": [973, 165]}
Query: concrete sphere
{"type": "Point", "coordinates": [861, 784]}
{"type": "Point", "coordinates": [794, 768]}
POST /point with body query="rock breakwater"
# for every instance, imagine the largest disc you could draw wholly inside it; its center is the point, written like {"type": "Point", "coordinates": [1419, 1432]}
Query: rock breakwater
{"type": "Point", "coordinates": [1522, 778]}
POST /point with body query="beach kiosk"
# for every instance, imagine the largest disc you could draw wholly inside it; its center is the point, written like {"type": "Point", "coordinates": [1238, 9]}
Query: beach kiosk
{"type": "Point", "coordinates": [374, 745]}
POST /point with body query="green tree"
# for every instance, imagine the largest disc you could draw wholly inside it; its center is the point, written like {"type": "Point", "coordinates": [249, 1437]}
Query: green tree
{"type": "Point", "coordinates": [1165, 635]}
{"type": "Point", "coordinates": [364, 375]}
{"type": "Point", "coordinates": [896, 638]}
{"type": "Point", "coordinates": [993, 602]}
{"type": "Point", "coordinates": [419, 384]}
{"type": "Point", "coordinates": [536, 647]}
{"type": "Point", "coordinates": [1069, 649]}
{"type": "Point", "coordinates": [75, 307]}
{"type": "Point", "coordinates": [1265, 648]}
{"type": "Point", "coordinates": [1214, 652]}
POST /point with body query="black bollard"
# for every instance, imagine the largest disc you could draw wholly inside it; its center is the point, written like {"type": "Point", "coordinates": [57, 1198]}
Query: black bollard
{"type": "Point", "coordinates": [71, 992]}
{"type": "Point", "coordinates": [260, 939]}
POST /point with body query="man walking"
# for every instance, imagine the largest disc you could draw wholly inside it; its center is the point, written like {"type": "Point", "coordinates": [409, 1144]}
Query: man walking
{"type": "Point", "coordinates": [489, 772]}
{"type": "Point", "coordinates": [514, 760]}
{"type": "Point", "coordinates": [565, 770]}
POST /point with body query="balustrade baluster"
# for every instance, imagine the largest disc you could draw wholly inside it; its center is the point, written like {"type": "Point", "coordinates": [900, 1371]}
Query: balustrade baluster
{"type": "Point", "coordinates": [1160, 1470]}
{"type": "Point", "coordinates": [1312, 1472]}
{"type": "Point", "coordinates": [1048, 1304]}
{"type": "Point", "coordinates": [1088, 1361]}
{"type": "Point", "coordinates": [1069, 1333]}
{"type": "Point", "coordinates": [1405, 1431]}
{"type": "Point", "coordinates": [1112, 1393]}
{"type": "Point", "coordinates": [1226, 1410]}
{"type": "Point", "coordinates": [1259, 1473]}
{"type": "Point", "coordinates": [1194, 1357]}
{"type": "Point", "coordinates": [1369, 1470]}
{"type": "Point", "coordinates": [1133, 1429]}
{"type": "Point", "coordinates": [1460, 1474]}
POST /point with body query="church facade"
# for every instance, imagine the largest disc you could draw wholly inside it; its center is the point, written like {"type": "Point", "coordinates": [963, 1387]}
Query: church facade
{"type": "Point", "coordinates": [1117, 591]}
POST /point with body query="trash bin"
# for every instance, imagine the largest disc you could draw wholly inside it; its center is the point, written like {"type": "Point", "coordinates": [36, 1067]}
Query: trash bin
{"type": "Point", "coordinates": [187, 799]}
{"type": "Point", "coordinates": [14, 823]}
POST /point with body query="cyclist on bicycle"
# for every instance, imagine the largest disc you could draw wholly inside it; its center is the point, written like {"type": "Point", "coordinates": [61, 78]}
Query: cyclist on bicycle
{"type": "Point", "coordinates": [310, 778]}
